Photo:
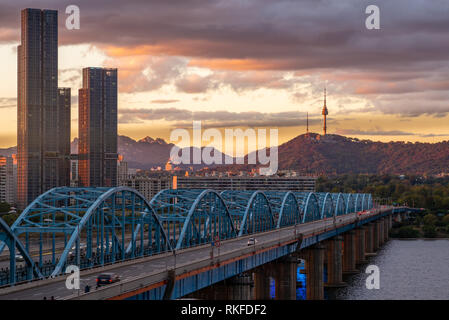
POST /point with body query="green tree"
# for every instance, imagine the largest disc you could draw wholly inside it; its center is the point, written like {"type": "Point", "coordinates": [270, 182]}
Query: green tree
{"type": "Point", "coordinates": [430, 219]}
{"type": "Point", "coordinates": [5, 207]}
{"type": "Point", "coordinates": [429, 231]}
{"type": "Point", "coordinates": [407, 232]}
{"type": "Point", "coordinates": [446, 219]}
{"type": "Point", "coordinates": [10, 218]}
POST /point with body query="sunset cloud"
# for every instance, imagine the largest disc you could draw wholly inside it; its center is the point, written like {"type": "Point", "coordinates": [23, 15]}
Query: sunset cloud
{"type": "Point", "coordinates": [231, 54]}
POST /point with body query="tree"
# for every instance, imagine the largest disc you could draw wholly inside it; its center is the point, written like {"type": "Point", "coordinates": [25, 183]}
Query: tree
{"type": "Point", "coordinates": [429, 231]}
{"type": "Point", "coordinates": [446, 219]}
{"type": "Point", "coordinates": [407, 232]}
{"type": "Point", "coordinates": [5, 207]}
{"type": "Point", "coordinates": [430, 219]}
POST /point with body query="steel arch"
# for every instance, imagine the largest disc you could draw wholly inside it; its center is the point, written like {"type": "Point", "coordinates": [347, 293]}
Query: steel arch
{"type": "Point", "coordinates": [93, 213]}
{"type": "Point", "coordinates": [308, 202]}
{"type": "Point", "coordinates": [252, 211]}
{"type": "Point", "coordinates": [358, 202]}
{"type": "Point", "coordinates": [326, 205]}
{"type": "Point", "coordinates": [195, 217]}
{"type": "Point", "coordinates": [340, 205]}
{"type": "Point", "coordinates": [350, 203]}
{"type": "Point", "coordinates": [12, 241]}
{"type": "Point", "coordinates": [286, 209]}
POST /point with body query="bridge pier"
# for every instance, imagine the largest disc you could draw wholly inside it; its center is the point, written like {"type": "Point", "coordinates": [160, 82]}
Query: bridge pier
{"type": "Point", "coordinates": [285, 278]}
{"type": "Point", "coordinates": [314, 265]}
{"type": "Point", "coordinates": [369, 240]}
{"type": "Point", "coordinates": [262, 282]}
{"type": "Point", "coordinates": [376, 236]}
{"type": "Point", "coordinates": [360, 235]}
{"type": "Point", "coordinates": [235, 288]}
{"type": "Point", "coordinates": [386, 229]}
{"type": "Point", "coordinates": [334, 262]}
{"type": "Point", "coordinates": [349, 253]}
{"type": "Point", "coordinates": [239, 287]}
{"type": "Point", "coordinates": [381, 239]}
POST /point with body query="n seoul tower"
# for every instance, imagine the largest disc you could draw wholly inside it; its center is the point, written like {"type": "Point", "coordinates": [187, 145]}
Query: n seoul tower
{"type": "Point", "coordinates": [325, 112]}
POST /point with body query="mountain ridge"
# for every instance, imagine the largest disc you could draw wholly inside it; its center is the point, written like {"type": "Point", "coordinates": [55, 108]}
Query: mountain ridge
{"type": "Point", "coordinates": [308, 153]}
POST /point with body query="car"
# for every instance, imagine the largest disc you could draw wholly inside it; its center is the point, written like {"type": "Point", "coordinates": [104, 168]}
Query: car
{"type": "Point", "coordinates": [252, 241]}
{"type": "Point", "coordinates": [19, 257]}
{"type": "Point", "coordinates": [107, 278]}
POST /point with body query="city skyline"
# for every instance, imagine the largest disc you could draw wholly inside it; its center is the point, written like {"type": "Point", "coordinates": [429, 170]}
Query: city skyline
{"type": "Point", "coordinates": [263, 73]}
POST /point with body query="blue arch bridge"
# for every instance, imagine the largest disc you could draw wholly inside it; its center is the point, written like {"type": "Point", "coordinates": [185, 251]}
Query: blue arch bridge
{"type": "Point", "coordinates": [179, 242]}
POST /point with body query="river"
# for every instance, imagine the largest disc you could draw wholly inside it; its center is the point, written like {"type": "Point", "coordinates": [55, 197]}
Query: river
{"type": "Point", "coordinates": [409, 269]}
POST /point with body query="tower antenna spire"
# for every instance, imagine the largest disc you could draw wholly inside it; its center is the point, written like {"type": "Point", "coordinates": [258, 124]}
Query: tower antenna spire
{"type": "Point", "coordinates": [307, 131]}
{"type": "Point", "coordinates": [325, 112]}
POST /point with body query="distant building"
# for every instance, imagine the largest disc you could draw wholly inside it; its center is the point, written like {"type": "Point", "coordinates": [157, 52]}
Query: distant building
{"type": "Point", "coordinates": [168, 166]}
{"type": "Point", "coordinates": [64, 124]}
{"type": "Point", "coordinates": [148, 186]}
{"type": "Point", "coordinates": [97, 150]}
{"type": "Point", "coordinates": [39, 136]}
{"type": "Point", "coordinates": [74, 173]}
{"type": "Point", "coordinates": [299, 184]}
{"type": "Point", "coordinates": [7, 181]}
{"type": "Point", "coordinates": [122, 168]}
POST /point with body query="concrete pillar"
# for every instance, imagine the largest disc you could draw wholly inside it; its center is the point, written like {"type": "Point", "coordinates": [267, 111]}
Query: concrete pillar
{"type": "Point", "coordinates": [386, 229]}
{"type": "Point", "coordinates": [285, 278]}
{"type": "Point", "coordinates": [376, 244]}
{"type": "Point", "coordinates": [314, 264]}
{"type": "Point", "coordinates": [360, 235]}
{"type": "Point", "coordinates": [262, 283]}
{"type": "Point", "coordinates": [380, 223]}
{"type": "Point", "coordinates": [239, 287]}
{"type": "Point", "coordinates": [369, 240]}
{"type": "Point", "coordinates": [334, 262]}
{"type": "Point", "coordinates": [349, 248]}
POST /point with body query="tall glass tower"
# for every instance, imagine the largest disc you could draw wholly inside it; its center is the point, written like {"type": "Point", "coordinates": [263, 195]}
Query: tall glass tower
{"type": "Point", "coordinates": [38, 134]}
{"type": "Point", "coordinates": [97, 153]}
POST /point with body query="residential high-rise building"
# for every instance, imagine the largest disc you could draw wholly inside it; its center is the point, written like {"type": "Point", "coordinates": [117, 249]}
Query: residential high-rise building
{"type": "Point", "coordinates": [38, 134]}
{"type": "Point", "coordinates": [97, 149]}
{"type": "Point", "coordinates": [7, 181]}
{"type": "Point", "coordinates": [64, 124]}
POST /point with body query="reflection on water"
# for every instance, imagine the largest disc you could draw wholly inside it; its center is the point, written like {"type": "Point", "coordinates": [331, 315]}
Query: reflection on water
{"type": "Point", "coordinates": [409, 269]}
{"type": "Point", "coordinates": [300, 282]}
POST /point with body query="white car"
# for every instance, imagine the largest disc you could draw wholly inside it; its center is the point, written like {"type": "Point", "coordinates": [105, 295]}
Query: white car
{"type": "Point", "coordinates": [252, 241]}
{"type": "Point", "coordinates": [19, 257]}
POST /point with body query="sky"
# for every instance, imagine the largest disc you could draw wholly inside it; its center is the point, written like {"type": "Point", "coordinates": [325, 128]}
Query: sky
{"type": "Point", "coordinates": [252, 63]}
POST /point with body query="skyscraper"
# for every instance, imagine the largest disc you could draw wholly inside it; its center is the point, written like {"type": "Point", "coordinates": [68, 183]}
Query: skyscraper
{"type": "Point", "coordinates": [38, 135]}
{"type": "Point", "coordinates": [64, 124]}
{"type": "Point", "coordinates": [97, 149]}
